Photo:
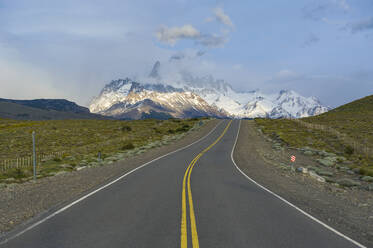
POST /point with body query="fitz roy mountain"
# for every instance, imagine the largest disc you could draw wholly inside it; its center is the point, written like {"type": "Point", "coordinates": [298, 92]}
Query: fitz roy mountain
{"type": "Point", "coordinates": [190, 96]}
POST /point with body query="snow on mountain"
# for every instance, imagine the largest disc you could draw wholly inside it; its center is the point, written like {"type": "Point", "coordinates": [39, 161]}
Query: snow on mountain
{"type": "Point", "coordinates": [111, 94]}
{"type": "Point", "coordinates": [252, 104]}
{"type": "Point", "coordinates": [128, 99]}
{"type": "Point", "coordinates": [198, 96]}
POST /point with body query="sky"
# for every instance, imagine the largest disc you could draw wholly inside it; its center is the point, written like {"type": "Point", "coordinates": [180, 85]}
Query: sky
{"type": "Point", "coordinates": [70, 49]}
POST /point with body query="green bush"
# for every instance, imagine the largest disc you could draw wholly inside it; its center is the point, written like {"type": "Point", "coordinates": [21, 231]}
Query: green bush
{"type": "Point", "coordinates": [349, 150]}
{"type": "Point", "coordinates": [19, 173]}
{"type": "Point", "coordinates": [128, 145]}
{"type": "Point", "coordinates": [16, 173]}
{"type": "Point", "coordinates": [57, 159]}
{"type": "Point", "coordinates": [157, 130]}
{"type": "Point", "coordinates": [366, 171]}
{"type": "Point", "coordinates": [126, 128]}
{"type": "Point", "coordinates": [184, 128]}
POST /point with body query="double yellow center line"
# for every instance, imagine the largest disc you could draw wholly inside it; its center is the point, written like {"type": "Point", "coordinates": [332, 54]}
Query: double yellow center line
{"type": "Point", "coordinates": [186, 183]}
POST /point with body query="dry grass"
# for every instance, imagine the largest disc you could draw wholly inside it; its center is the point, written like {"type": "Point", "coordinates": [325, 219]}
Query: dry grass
{"type": "Point", "coordinates": [82, 140]}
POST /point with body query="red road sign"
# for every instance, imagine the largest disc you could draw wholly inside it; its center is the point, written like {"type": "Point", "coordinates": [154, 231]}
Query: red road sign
{"type": "Point", "coordinates": [292, 158]}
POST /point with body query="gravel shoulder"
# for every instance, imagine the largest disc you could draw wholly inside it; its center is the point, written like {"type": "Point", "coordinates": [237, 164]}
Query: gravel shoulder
{"type": "Point", "coordinates": [348, 210]}
{"type": "Point", "coordinates": [21, 203]}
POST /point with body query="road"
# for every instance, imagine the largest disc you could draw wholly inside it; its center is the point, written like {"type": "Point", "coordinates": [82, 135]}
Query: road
{"type": "Point", "coordinates": [195, 197]}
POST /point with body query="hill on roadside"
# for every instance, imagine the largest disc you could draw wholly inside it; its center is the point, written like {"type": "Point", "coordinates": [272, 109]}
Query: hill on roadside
{"type": "Point", "coordinates": [353, 119]}
{"type": "Point", "coordinates": [44, 109]}
{"type": "Point", "coordinates": [346, 131]}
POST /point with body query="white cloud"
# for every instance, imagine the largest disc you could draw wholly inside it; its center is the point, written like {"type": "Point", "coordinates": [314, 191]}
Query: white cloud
{"type": "Point", "coordinates": [220, 16]}
{"type": "Point", "coordinates": [211, 40]}
{"type": "Point", "coordinates": [286, 75]}
{"type": "Point", "coordinates": [172, 35]}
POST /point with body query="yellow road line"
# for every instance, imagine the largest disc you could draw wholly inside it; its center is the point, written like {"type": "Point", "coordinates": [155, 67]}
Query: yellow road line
{"type": "Point", "coordinates": [184, 232]}
{"type": "Point", "coordinates": [193, 225]}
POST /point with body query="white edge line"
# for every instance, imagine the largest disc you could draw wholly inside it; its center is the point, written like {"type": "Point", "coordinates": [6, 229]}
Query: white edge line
{"type": "Point", "coordinates": [290, 204]}
{"type": "Point", "coordinates": [101, 188]}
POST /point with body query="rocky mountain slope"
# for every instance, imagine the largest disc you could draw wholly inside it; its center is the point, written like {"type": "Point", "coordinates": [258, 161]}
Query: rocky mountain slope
{"type": "Point", "coordinates": [191, 96]}
{"type": "Point", "coordinates": [126, 99]}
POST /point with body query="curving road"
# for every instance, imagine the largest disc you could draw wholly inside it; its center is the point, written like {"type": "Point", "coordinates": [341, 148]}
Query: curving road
{"type": "Point", "coordinates": [195, 197]}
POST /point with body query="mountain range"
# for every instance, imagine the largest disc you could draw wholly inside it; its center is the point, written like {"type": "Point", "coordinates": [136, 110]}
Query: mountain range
{"type": "Point", "coordinates": [192, 96]}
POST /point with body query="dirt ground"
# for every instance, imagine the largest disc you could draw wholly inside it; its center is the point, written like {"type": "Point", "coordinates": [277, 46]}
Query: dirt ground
{"type": "Point", "coordinates": [348, 210]}
{"type": "Point", "coordinates": [21, 202]}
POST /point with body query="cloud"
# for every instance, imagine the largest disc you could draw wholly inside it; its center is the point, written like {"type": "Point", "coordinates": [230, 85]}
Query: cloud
{"type": "Point", "coordinates": [221, 17]}
{"type": "Point", "coordinates": [172, 35]}
{"type": "Point", "coordinates": [286, 75]}
{"type": "Point", "coordinates": [178, 56]}
{"type": "Point", "coordinates": [22, 80]}
{"type": "Point", "coordinates": [342, 4]}
{"type": "Point", "coordinates": [359, 26]}
{"type": "Point", "coordinates": [314, 11]}
{"type": "Point", "coordinates": [186, 54]}
{"type": "Point", "coordinates": [200, 53]}
{"type": "Point", "coordinates": [211, 40]}
{"type": "Point", "coordinates": [318, 11]}
{"type": "Point", "coordinates": [310, 40]}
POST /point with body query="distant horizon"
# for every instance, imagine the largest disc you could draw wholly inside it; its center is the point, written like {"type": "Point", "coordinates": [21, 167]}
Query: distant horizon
{"type": "Point", "coordinates": [87, 104]}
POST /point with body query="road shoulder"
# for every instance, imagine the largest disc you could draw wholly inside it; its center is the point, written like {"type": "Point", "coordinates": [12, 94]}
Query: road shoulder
{"type": "Point", "coordinates": [346, 210]}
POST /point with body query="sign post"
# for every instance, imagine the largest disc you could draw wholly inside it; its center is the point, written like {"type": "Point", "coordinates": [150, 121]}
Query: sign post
{"type": "Point", "coordinates": [292, 159]}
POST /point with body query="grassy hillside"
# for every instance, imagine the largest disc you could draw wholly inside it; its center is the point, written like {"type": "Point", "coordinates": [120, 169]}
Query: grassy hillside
{"type": "Point", "coordinates": [50, 104]}
{"type": "Point", "coordinates": [81, 140]}
{"type": "Point", "coordinates": [346, 131]}
{"type": "Point", "coordinates": [354, 119]}
{"type": "Point", "coordinates": [17, 111]}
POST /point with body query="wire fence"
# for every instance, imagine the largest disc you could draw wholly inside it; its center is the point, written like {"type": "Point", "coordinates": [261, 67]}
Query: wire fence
{"type": "Point", "coordinates": [27, 161]}
{"type": "Point", "coordinates": [358, 147]}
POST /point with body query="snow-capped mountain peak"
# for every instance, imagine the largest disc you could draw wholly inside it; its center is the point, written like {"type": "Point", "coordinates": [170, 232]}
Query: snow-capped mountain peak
{"type": "Point", "coordinates": [198, 96]}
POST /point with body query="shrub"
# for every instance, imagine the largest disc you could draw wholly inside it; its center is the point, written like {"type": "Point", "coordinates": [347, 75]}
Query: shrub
{"type": "Point", "coordinates": [128, 145]}
{"type": "Point", "coordinates": [366, 172]}
{"type": "Point", "coordinates": [184, 128]}
{"type": "Point", "coordinates": [16, 173]}
{"type": "Point", "coordinates": [157, 130]}
{"type": "Point", "coordinates": [126, 128]}
{"type": "Point", "coordinates": [349, 150]}
{"type": "Point", "coordinates": [171, 131]}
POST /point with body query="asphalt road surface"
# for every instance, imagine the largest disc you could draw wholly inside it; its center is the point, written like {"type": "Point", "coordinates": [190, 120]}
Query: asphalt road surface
{"type": "Point", "coordinates": [195, 197]}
